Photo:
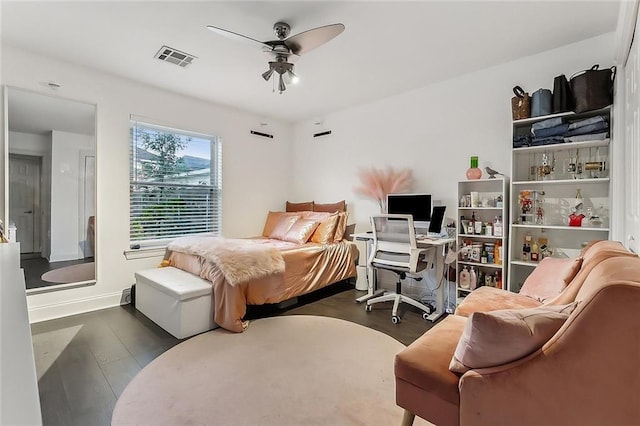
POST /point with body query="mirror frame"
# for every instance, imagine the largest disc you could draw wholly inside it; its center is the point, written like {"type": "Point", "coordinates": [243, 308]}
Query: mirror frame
{"type": "Point", "coordinates": [6, 148]}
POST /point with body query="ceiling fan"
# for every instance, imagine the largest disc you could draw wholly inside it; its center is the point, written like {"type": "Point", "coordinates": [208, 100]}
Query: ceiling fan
{"type": "Point", "coordinates": [286, 50]}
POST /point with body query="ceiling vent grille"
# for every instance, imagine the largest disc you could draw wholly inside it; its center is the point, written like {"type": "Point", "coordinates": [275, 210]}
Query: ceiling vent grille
{"type": "Point", "coordinates": [175, 56]}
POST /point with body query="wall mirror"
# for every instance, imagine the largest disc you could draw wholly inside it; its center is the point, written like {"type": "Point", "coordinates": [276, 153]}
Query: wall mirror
{"type": "Point", "coordinates": [51, 175]}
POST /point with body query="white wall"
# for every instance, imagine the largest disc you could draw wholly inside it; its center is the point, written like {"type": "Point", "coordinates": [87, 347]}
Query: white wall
{"type": "Point", "coordinates": [433, 130]}
{"type": "Point", "coordinates": [66, 186]}
{"type": "Point", "coordinates": [29, 144]}
{"type": "Point", "coordinates": [251, 185]}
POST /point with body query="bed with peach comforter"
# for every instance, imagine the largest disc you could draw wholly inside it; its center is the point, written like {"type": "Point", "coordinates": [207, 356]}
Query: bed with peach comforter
{"type": "Point", "coordinates": [307, 267]}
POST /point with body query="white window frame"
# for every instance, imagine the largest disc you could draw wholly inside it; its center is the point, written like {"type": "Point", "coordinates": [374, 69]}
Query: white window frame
{"type": "Point", "coordinates": [154, 236]}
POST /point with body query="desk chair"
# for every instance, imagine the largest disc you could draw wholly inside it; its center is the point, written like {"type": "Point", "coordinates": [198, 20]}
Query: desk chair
{"type": "Point", "coordinates": [394, 249]}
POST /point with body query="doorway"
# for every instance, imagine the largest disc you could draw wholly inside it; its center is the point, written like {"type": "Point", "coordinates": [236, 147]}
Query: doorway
{"type": "Point", "coordinates": [24, 201]}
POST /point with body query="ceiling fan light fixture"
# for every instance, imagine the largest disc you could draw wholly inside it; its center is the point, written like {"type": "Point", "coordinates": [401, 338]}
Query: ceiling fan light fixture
{"type": "Point", "coordinates": [293, 78]}
{"type": "Point", "coordinates": [267, 74]}
{"type": "Point", "coordinates": [281, 86]}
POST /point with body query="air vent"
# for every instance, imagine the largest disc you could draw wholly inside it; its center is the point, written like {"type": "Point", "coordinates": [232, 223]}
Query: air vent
{"type": "Point", "coordinates": [169, 54]}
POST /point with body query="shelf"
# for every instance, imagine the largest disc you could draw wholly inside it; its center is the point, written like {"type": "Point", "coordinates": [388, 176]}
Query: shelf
{"type": "Point", "coordinates": [498, 179]}
{"type": "Point", "coordinates": [487, 265]}
{"type": "Point", "coordinates": [560, 182]}
{"type": "Point", "coordinates": [466, 290]}
{"type": "Point", "coordinates": [524, 263]}
{"type": "Point", "coordinates": [491, 237]}
{"type": "Point", "coordinates": [479, 208]}
{"type": "Point", "coordinates": [531, 120]}
{"type": "Point", "coordinates": [564, 227]}
{"type": "Point", "coordinates": [563, 146]}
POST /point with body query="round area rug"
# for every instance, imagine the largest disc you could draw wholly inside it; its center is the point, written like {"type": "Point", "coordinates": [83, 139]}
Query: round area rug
{"type": "Point", "coordinates": [71, 274]}
{"type": "Point", "coordinates": [289, 370]}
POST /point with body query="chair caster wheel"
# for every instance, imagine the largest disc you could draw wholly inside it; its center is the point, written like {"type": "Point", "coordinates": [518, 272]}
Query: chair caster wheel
{"type": "Point", "coordinates": [395, 319]}
{"type": "Point", "coordinates": [367, 308]}
{"type": "Point", "coordinates": [425, 316]}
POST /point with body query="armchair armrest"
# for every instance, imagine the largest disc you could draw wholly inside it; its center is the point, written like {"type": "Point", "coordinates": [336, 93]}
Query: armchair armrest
{"type": "Point", "coordinates": [575, 378]}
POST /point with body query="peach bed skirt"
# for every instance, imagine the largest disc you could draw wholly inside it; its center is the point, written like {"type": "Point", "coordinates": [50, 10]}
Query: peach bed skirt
{"type": "Point", "coordinates": [308, 267]}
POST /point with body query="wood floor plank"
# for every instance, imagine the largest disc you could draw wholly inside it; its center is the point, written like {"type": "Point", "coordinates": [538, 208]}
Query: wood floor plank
{"type": "Point", "coordinates": [120, 372]}
{"type": "Point", "coordinates": [86, 361]}
{"type": "Point", "coordinates": [54, 405]}
{"type": "Point", "coordinates": [85, 386]}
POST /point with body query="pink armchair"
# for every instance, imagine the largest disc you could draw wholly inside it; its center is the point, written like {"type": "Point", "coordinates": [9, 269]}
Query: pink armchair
{"type": "Point", "coordinates": [586, 374]}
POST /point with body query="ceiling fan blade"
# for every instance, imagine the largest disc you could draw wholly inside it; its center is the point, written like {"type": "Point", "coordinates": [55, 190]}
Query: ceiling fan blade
{"type": "Point", "coordinates": [307, 40]}
{"type": "Point", "coordinates": [235, 36]}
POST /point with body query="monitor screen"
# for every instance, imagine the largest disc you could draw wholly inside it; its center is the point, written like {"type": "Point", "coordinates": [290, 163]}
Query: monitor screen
{"type": "Point", "coordinates": [417, 205]}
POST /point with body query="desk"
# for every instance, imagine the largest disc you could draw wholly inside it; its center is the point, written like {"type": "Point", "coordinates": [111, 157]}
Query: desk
{"type": "Point", "coordinates": [441, 243]}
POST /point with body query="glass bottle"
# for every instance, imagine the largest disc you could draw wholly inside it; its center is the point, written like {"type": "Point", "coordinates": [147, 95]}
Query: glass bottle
{"type": "Point", "coordinates": [534, 251]}
{"type": "Point", "coordinates": [473, 279]}
{"type": "Point", "coordinates": [465, 278]}
{"type": "Point", "coordinates": [473, 223]}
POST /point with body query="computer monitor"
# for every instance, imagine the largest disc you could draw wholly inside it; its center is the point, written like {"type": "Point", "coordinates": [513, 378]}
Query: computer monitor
{"type": "Point", "coordinates": [417, 205]}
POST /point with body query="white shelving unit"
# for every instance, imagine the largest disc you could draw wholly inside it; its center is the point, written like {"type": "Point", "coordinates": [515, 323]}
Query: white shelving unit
{"type": "Point", "coordinates": [552, 176]}
{"type": "Point", "coordinates": [489, 192]}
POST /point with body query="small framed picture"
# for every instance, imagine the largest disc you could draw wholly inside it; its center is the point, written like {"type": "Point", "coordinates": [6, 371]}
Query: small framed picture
{"type": "Point", "coordinates": [476, 251]}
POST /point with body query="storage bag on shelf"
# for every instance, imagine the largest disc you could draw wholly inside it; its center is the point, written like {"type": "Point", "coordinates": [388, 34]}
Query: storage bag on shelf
{"type": "Point", "coordinates": [562, 97]}
{"type": "Point", "coordinates": [593, 88]}
{"type": "Point", "coordinates": [520, 104]}
{"type": "Point", "coordinates": [541, 102]}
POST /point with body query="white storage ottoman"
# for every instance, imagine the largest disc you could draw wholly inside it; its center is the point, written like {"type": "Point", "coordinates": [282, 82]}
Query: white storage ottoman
{"type": "Point", "coordinates": [177, 301]}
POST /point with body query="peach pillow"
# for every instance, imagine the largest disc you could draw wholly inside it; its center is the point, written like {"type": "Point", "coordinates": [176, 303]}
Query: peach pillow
{"type": "Point", "coordinates": [571, 270]}
{"type": "Point", "coordinates": [299, 207]}
{"type": "Point", "coordinates": [341, 227]}
{"type": "Point", "coordinates": [499, 337]}
{"type": "Point", "coordinates": [548, 278]}
{"type": "Point", "coordinates": [319, 216]}
{"type": "Point", "coordinates": [282, 227]}
{"type": "Point", "coordinates": [340, 206]}
{"type": "Point", "coordinates": [272, 221]}
{"type": "Point", "coordinates": [301, 231]}
{"type": "Point", "coordinates": [326, 230]}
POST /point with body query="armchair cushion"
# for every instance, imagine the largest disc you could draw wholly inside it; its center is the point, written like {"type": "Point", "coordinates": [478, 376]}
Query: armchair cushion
{"type": "Point", "coordinates": [486, 299]}
{"type": "Point", "coordinates": [424, 384]}
{"type": "Point", "coordinates": [499, 337]}
{"type": "Point", "coordinates": [550, 278]}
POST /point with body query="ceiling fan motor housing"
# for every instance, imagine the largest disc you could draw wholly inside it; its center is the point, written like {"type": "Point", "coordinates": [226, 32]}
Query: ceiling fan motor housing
{"type": "Point", "coordinates": [282, 30]}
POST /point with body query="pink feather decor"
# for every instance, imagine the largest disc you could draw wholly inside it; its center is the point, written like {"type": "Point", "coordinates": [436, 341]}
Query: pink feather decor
{"type": "Point", "coordinates": [377, 183]}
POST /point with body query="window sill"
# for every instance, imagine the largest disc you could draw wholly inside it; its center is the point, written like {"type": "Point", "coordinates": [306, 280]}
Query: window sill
{"type": "Point", "coordinates": [145, 252]}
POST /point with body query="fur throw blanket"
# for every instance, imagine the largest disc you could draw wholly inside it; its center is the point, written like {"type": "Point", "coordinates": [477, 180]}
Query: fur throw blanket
{"type": "Point", "coordinates": [239, 260]}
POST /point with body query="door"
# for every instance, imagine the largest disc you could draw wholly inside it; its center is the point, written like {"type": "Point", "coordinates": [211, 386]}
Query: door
{"type": "Point", "coordinates": [632, 147]}
{"type": "Point", "coordinates": [24, 205]}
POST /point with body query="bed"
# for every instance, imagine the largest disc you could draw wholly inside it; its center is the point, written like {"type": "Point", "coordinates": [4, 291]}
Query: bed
{"type": "Point", "coordinates": [301, 251]}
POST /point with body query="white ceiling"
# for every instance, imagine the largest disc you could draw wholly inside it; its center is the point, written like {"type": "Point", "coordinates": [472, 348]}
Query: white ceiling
{"type": "Point", "coordinates": [30, 112]}
{"type": "Point", "coordinates": [387, 47]}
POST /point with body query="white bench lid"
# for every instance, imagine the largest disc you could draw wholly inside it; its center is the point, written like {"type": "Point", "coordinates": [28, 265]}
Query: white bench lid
{"type": "Point", "coordinates": [176, 282]}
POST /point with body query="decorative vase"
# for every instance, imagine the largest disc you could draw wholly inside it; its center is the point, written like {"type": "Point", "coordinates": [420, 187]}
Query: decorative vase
{"type": "Point", "coordinates": [474, 172]}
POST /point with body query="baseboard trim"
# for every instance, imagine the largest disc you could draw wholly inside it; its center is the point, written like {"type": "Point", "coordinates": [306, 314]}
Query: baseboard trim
{"type": "Point", "coordinates": [73, 307]}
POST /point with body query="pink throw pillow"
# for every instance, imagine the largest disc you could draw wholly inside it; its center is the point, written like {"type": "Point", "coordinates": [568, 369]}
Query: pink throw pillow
{"type": "Point", "coordinates": [548, 279]}
{"type": "Point", "coordinates": [301, 231]}
{"type": "Point", "coordinates": [499, 337]}
{"type": "Point", "coordinates": [282, 227]}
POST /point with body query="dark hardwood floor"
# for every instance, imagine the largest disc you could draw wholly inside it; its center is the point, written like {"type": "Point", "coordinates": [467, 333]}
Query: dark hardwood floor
{"type": "Point", "coordinates": [84, 362]}
{"type": "Point", "coordinates": [34, 266]}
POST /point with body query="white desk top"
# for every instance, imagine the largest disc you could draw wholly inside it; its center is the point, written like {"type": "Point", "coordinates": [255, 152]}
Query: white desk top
{"type": "Point", "coordinates": [363, 236]}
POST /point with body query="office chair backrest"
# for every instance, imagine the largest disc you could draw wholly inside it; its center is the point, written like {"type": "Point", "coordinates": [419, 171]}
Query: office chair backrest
{"type": "Point", "coordinates": [394, 243]}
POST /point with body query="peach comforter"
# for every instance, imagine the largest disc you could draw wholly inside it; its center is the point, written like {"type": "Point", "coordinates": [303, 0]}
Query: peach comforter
{"type": "Point", "coordinates": [308, 267]}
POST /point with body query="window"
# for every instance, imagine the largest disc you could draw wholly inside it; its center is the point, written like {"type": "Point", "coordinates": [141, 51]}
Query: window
{"type": "Point", "coordinates": [175, 184]}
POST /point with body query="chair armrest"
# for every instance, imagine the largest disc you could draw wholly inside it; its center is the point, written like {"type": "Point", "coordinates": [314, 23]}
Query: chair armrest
{"type": "Point", "coordinates": [586, 374]}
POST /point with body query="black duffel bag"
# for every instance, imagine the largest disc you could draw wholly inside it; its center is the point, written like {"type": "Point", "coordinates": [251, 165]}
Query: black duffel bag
{"type": "Point", "coordinates": [562, 97]}
{"type": "Point", "coordinates": [592, 88]}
